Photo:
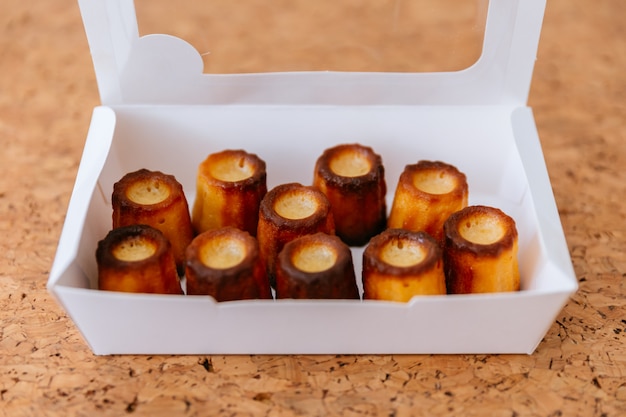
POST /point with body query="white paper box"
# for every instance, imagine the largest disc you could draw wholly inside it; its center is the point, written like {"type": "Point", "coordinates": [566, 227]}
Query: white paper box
{"type": "Point", "coordinates": [160, 112]}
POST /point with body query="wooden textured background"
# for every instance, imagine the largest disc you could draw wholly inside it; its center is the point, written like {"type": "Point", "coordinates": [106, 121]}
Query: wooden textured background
{"type": "Point", "coordinates": [47, 92]}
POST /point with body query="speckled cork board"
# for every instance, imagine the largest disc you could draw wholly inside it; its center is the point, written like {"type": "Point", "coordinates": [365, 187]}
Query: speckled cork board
{"type": "Point", "coordinates": [47, 92]}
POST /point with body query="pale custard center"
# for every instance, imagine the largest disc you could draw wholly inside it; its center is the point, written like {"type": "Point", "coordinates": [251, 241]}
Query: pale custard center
{"type": "Point", "coordinates": [315, 258]}
{"type": "Point", "coordinates": [482, 229]}
{"type": "Point", "coordinates": [148, 192]}
{"type": "Point", "coordinates": [231, 169]}
{"type": "Point", "coordinates": [434, 182]}
{"type": "Point", "coordinates": [350, 164]}
{"type": "Point", "coordinates": [222, 252]}
{"type": "Point", "coordinates": [402, 253]}
{"type": "Point", "coordinates": [134, 249]}
{"type": "Point", "coordinates": [296, 205]}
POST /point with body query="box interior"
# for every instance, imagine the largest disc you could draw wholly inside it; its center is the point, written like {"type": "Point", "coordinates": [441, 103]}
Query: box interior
{"type": "Point", "coordinates": [175, 139]}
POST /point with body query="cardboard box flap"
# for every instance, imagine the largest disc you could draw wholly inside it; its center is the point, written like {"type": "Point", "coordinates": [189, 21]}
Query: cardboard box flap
{"type": "Point", "coordinates": [162, 69]}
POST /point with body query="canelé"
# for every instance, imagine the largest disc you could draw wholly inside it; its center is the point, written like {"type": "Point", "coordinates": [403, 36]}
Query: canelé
{"type": "Point", "coordinates": [427, 193]}
{"type": "Point", "coordinates": [352, 176]}
{"type": "Point", "coordinates": [138, 259]}
{"type": "Point", "coordinates": [317, 266]}
{"type": "Point", "coordinates": [287, 212]}
{"type": "Point", "coordinates": [226, 264]}
{"type": "Point", "coordinates": [156, 199]}
{"type": "Point", "coordinates": [399, 264]}
{"type": "Point", "coordinates": [229, 187]}
{"type": "Point", "coordinates": [480, 251]}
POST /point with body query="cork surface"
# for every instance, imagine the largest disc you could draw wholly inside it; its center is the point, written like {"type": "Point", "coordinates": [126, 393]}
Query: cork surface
{"type": "Point", "coordinates": [47, 92]}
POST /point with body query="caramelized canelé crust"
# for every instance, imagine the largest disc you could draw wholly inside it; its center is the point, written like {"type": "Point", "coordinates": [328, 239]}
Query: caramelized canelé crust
{"type": "Point", "coordinates": [427, 194]}
{"type": "Point", "coordinates": [155, 199]}
{"type": "Point", "coordinates": [480, 251]}
{"type": "Point", "coordinates": [352, 176]}
{"type": "Point", "coordinates": [137, 258]}
{"type": "Point", "coordinates": [225, 263]}
{"type": "Point", "coordinates": [289, 211]}
{"type": "Point", "coordinates": [317, 266]}
{"type": "Point", "coordinates": [229, 188]}
{"type": "Point", "coordinates": [399, 264]}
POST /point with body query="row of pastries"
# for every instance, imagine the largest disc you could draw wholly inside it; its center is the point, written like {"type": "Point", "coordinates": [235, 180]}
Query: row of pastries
{"type": "Point", "coordinates": [241, 240]}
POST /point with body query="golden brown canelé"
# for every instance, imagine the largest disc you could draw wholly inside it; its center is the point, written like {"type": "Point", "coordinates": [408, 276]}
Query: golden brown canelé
{"type": "Point", "coordinates": [399, 264]}
{"type": "Point", "coordinates": [229, 187]}
{"type": "Point", "coordinates": [138, 259]}
{"type": "Point", "coordinates": [317, 266]}
{"type": "Point", "coordinates": [158, 200]}
{"type": "Point", "coordinates": [225, 263]}
{"type": "Point", "coordinates": [480, 251]}
{"type": "Point", "coordinates": [352, 176]}
{"type": "Point", "coordinates": [289, 211]}
{"type": "Point", "coordinates": [427, 194]}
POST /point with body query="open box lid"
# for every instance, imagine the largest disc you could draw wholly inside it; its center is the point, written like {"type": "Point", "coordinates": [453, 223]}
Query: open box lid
{"type": "Point", "coordinates": [162, 69]}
